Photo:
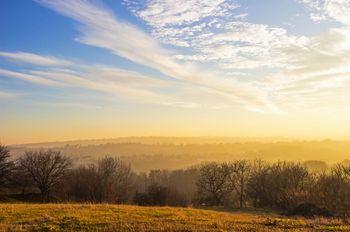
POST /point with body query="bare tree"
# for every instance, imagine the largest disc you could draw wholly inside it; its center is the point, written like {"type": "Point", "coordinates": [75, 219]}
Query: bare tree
{"type": "Point", "coordinates": [124, 182]}
{"type": "Point", "coordinates": [292, 182]}
{"type": "Point", "coordinates": [19, 179]}
{"type": "Point", "coordinates": [281, 185]}
{"type": "Point", "coordinates": [5, 165]}
{"type": "Point", "coordinates": [46, 168]}
{"type": "Point", "coordinates": [116, 179]}
{"type": "Point", "coordinates": [342, 171]}
{"type": "Point", "coordinates": [258, 184]}
{"type": "Point", "coordinates": [83, 184]}
{"type": "Point", "coordinates": [239, 177]}
{"type": "Point", "coordinates": [332, 190]}
{"type": "Point", "coordinates": [213, 183]}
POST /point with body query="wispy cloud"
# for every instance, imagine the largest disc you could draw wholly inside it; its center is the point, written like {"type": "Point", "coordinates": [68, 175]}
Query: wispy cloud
{"type": "Point", "coordinates": [29, 78]}
{"type": "Point", "coordinates": [160, 13]}
{"type": "Point", "coordinates": [317, 75]}
{"type": "Point", "coordinates": [214, 31]}
{"type": "Point", "coordinates": [5, 94]}
{"type": "Point", "coordinates": [114, 82]}
{"type": "Point", "coordinates": [35, 59]}
{"type": "Point", "coordinates": [218, 47]}
{"type": "Point", "coordinates": [74, 105]}
{"type": "Point", "coordinates": [321, 10]}
{"type": "Point", "coordinates": [101, 28]}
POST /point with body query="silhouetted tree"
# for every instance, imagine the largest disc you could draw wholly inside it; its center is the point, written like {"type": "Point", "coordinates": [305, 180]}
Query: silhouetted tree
{"type": "Point", "coordinates": [239, 177]}
{"type": "Point", "coordinates": [213, 183]}
{"type": "Point", "coordinates": [341, 170]}
{"type": "Point", "coordinates": [116, 179]}
{"type": "Point", "coordinates": [332, 190]}
{"type": "Point", "coordinates": [46, 168]}
{"type": "Point", "coordinates": [281, 185]}
{"type": "Point", "coordinates": [19, 179]}
{"type": "Point", "coordinates": [258, 184]}
{"type": "Point", "coordinates": [5, 166]}
{"type": "Point", "coordinates": [83, 184]}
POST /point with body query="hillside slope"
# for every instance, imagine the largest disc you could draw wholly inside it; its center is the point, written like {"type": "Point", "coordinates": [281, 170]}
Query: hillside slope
{"type": "Point", "coordinates": [75, 217]}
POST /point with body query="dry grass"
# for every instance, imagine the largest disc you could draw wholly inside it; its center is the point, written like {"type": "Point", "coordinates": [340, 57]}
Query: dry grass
{"type": "Point", "coordinates": [86, 217]}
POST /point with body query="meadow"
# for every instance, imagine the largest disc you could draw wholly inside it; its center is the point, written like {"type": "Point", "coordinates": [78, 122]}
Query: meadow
{"type": "Point", "coordinates": [105, 217]}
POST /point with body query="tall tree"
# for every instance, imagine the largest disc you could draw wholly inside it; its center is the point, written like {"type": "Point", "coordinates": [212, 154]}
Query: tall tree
{"type": "Point", "coordinates": [213, 183]}
{"type": "Point", "coordinates": [5, 165]}
{"type": "Point", "coordinates": [241, 170]}
{"type": "Point", "coordinates": [46, 168]}
{"type": "Point", "coordinates": [116, 179]}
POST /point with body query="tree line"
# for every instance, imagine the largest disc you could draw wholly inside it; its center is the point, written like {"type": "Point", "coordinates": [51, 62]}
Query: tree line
{"type": "Point", "coordinates": [49, 176]}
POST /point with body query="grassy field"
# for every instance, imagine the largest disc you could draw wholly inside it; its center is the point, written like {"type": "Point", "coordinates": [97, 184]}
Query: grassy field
{"type": "Point", "coordinates": [75, 217]}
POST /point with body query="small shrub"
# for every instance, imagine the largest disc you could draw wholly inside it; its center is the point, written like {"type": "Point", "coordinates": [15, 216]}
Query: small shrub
{"type": "Point", "coordinates": [309, 210]}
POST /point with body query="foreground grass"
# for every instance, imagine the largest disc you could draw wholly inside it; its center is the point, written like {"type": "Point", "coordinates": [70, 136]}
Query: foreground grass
{"type": "Point", "coordinates": [86, 217]}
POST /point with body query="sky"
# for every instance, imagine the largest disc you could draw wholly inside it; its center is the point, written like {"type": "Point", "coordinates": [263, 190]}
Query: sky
{"type": "Point", "coordinates": [82, 69]}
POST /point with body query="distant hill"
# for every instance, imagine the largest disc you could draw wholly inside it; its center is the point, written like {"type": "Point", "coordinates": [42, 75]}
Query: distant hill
{"type": "Point", "coordinates": [157, 140]}
{"type": "Point", "coordinates": [146, 153]}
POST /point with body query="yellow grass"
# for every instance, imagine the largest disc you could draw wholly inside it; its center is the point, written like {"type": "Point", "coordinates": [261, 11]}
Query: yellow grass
{"type": "Point", "coordinates": [94, 217]}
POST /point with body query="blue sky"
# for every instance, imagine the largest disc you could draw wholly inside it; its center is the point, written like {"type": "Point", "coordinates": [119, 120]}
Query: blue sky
{"type": "Point", "coordinates": [172, 61]}
{"type": "Point", "coordinates": [28, 26]}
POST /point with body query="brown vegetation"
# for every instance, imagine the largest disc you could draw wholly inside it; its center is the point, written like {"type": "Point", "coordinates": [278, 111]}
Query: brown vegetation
{"type": "Point", "coordinates": [281, 186]}
{"type": "Point", "coordinates": [102, 217]}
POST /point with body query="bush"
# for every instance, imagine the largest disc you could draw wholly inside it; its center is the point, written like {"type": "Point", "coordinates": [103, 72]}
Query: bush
{"type": "Point", "coordinates": [141, 199]}
{"type": "Point", "coordinates": [309, 210]}
{"type": "Point", "coordinates": [157, 195]}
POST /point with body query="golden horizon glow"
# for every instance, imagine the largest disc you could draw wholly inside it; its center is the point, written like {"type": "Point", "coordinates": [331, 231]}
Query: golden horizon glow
{"type": "Point", "coordinates": [174, 68]}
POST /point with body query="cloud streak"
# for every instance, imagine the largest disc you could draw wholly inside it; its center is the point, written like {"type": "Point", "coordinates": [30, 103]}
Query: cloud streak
{"type": "Point", "coordinates": [215, 52]}
{"type": "Point", "coordinates": [113, 82]}
{"type": "Point", "coordinates": [34, 59]}
{"type": "Point", "coordinates": [5, 95]}
{"type": "Point", "coordinates": [100, 28]}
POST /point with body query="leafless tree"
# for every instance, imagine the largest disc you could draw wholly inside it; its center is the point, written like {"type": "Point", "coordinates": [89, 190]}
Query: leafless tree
{"type": "Point", "coordinates": [239, 177]}
{"type": "Point", "coordinates": [83, 184]}
{"type": "Point", "coordinates": [281, 185]}
{"type": "Point", "coordinates": [46, 168]}
{"type": "Point", "coordinates": [292, 182]}
{"type": "Point", "coordinates": [342, 171]}
{"type": "Point", "coordinates": [213, 183]}
{"type": "Point", "coordinates": [258, 184]}
{"type": "Point", "coordinates": [20, 180]}
{"type": "Point", "coordinates": [116, 179]}
{"type": "Point", "coordinates": [124, 183]}
{"type": "Point", "coordinates": [332, 190]}
{"type": "Point", "coordinates": [181, 184]}
{"type": "Point", "coordinates": [5, 165]}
